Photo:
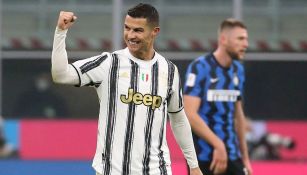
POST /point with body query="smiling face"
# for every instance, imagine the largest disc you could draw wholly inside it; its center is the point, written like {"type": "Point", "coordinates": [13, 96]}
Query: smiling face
{"type": "Point", "coordinates": [235, 42]}
{"type": "Point", "coordinates": [139, 37]}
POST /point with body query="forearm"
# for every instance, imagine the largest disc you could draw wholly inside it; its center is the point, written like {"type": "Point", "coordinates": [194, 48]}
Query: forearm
{"type": "Point", "coordinates": [182, 132]}
{"type": "Point", "coordinates": [240, 128]}
{"type": "Point", "coordinates": [240, 124]}
{"type": "Point", "coordinates": [61, 71]}
{"type": "Point", "coordinates": [201, 129]}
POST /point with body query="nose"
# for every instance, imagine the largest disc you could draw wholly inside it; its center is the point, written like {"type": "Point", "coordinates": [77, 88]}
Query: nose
{"type": "Point", "coordinates": [245, 44]}
{"type": "Point", "coordinates": [130, 34]}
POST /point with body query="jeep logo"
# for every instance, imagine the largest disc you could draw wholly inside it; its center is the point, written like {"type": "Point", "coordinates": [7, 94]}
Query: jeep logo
{"type": "Point", "coordinates": [138, 98]}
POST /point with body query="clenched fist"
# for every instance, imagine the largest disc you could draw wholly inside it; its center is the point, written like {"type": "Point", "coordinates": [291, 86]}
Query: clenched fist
{"type": "Point", "coordinates": [66, 20]}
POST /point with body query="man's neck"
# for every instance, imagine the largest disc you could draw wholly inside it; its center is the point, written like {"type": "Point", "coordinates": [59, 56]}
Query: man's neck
{"type": "Point", "coordinates": [146, 56]}
{"type": "Point", "coordinates": [222, 57]}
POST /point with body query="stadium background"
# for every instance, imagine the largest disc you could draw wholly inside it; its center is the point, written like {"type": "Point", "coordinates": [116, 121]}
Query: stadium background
{"type": "Point", "coordinates": [62, 141]}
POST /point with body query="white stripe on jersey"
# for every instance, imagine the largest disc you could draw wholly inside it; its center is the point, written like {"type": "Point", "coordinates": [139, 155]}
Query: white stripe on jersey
{"type": "Point", "coordinates": [135, 96]}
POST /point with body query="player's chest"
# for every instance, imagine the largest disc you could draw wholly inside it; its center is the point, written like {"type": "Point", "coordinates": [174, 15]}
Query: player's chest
{"type": "Point", "coordinates": [142, 86]}
{"type": "Point", "coordinates": [223, 80]}
{"type": "Point", "coordinates": [222, 87]}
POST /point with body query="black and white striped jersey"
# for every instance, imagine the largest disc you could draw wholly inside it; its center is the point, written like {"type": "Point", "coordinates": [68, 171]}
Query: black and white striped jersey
{"type": "Point", "coordinates": [135, 97]}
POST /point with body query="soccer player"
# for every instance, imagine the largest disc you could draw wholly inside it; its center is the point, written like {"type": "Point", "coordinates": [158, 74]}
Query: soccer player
{"type": "Point", "coordinates": [137, 89]}
{"type": "Point", "coordinates": [213, 103]}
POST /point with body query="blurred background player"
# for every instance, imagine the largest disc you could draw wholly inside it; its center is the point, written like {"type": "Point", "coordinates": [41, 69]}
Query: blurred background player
{"type": "Point", "coordinates": [266, 145]}
{"type": "Point", "coordinates": [137, 89]}
{"type": "Point", "coordinates": [213, 102]}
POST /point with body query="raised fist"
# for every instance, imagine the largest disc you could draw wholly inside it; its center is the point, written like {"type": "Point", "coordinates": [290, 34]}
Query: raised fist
{"type": "Point", "coordinates": [66, 20]}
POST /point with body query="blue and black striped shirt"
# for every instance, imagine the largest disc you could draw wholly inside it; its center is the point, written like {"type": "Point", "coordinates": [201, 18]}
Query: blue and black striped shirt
{"type": "Point", "coordinates": [219, 88]}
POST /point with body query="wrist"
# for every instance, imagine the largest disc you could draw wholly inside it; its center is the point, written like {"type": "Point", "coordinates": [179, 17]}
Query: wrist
{"type": "Point", "coordinates": [193, 165]}
{"type": "Point", "coordinates": [218, 144]}
{"type": "Point", "coordinates": [58, 30]}
{"type": "Point", "coordinates": [194, 169]}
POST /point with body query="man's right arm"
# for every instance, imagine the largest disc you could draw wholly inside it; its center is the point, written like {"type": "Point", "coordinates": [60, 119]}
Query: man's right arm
{"type": "Point", "coordinates": [201, 129]}
{"type": "Point", "coordinates": [61, 71]}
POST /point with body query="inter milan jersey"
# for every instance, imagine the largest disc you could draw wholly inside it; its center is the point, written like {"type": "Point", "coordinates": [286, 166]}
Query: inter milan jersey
{"type": "Point", "coordinates": [219, 88]}
{"type": "Point", "coordinates": [135, 97]}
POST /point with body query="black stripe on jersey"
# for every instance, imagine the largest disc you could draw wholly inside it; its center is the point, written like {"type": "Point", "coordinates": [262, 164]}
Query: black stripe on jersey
{"type": "Point", "coordinates": [227, 109]}
{"type": "Point", "coordinates": [202, 84]}
{"type": "Point", "coordinates": [150, 117]}
{"type": "Point", "coordinates": [213, 108]}
{"type": "Point", "coordinates": [235, 70]}
{"type": "Point", "coordinates": [92, 64]}
{"type": "Point", "coordinates": [130, 120]}
{"type": "Point", "coordinates": [111, 113]}
{"type": "Point", "coordinates": [203, 81]}
{"type": "Point", "coordinates": [234, 142]}
{"type": "Point", "coordinates": [162, 163]}
{"type": "Point", "coordinates": [170, 80]}
{"type": "Point", "coordinates": [180, 93]}
{"type": "Point", "coordinates": [96, 84]}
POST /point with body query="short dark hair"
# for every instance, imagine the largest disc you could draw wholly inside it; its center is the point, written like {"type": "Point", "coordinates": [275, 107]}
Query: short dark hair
{"type": "Point", "coordinates": [146, 11]}
{"type": "Point", "coordinates": [230, 23]}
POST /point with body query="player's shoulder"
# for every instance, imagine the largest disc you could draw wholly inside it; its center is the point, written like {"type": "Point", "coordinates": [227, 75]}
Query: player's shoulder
{"type": "Point", "coordinates": [201, 62]}
{"type": "Point", "coordinates": [203, 59]}
{"type": "Point", "coordinates": [104, 55]}
{"type": "Point", "coordinates": [160, 57]}
{"type": "Point", "coordinates": [113, 55]}
{"type": "Point", "coordinates": [119, 53]}
{"type": "Point", "coordinates": [164, 60]}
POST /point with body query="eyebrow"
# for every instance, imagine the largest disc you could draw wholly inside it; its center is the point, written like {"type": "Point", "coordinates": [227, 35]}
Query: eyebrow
{"type": "Point", "coordinates": [137, 28]}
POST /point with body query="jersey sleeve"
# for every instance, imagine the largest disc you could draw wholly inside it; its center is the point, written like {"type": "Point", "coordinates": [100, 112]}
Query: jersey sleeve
{"type": "Point", "coordinates": [175, 103]}
{"type": "Point", "coordinates": [195, 78]}
{"type": "Point", "coordinates": [91, 71]}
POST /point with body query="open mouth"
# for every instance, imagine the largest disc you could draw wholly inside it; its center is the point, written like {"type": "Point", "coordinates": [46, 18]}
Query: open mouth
{"type": "Point", "coordinates": [133, 42]}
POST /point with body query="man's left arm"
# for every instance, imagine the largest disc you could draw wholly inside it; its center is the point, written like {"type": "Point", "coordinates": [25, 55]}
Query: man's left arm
{"type": "Point", "coordinates": [180, 125]}
{"type": "Point", "coordinates": [182, 131]}
{"type": "Point", "coordinates": [240, 125]}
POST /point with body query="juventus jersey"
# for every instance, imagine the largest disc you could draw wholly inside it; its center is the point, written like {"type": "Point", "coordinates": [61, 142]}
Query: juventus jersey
{"type": "Point", "coordinates": [135, 97]}
{"type": "Point", "coordinates": [218, 88]}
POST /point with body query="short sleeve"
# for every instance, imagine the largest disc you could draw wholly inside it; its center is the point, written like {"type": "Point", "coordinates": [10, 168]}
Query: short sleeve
{"type": "Point", "coordinates": [91, 71]}
{"type": "Point", "coordinates": [195, 78]}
